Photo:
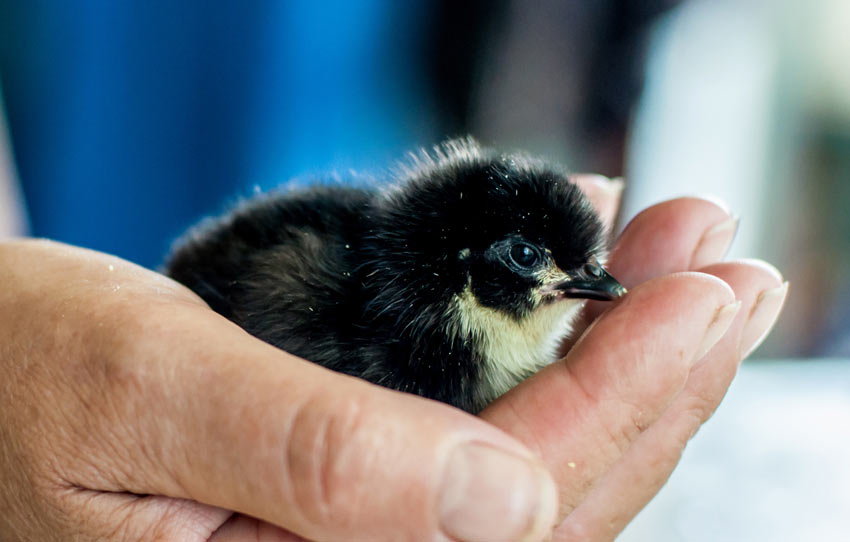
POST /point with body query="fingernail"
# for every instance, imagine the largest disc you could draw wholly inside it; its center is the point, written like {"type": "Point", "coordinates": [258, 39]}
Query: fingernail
{"type": "Point", "coordinates": [617, 183]}
{"type": "Point", "coordinates": [711, 198]}
{"type": "Point", "coordinates": [613, 186]}
{"type": "Point", "coordinates": [715, 243]}
{"type": "Point", "coordinates": [490, 495]}
{"type": "Point", "coordinates": [717, 328]}
{"type": "Point", "coordinates": [762, 317]}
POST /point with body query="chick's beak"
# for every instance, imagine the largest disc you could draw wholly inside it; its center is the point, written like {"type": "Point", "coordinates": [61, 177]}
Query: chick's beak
{"type": "Point", "coordinates": [593, 283]}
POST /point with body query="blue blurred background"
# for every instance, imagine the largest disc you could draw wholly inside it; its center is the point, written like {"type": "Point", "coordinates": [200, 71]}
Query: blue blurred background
{"type": "Point", "coordinates": [130, 120]}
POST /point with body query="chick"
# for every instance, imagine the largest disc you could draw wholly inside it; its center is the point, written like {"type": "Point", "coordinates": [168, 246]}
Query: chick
{"type": "Point", "coordinates": [455, 283]}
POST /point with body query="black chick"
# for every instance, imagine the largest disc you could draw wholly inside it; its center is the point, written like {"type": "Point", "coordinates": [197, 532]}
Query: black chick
{"type": "Point", "coordinates": [456, 283]}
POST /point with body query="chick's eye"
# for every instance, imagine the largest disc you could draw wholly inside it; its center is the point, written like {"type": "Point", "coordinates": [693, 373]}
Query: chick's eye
{"type": "Point", "coordinates": [524, 255]}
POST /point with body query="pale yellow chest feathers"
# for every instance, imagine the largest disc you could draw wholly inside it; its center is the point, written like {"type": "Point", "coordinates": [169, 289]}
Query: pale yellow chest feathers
{"type": "Point", "coordinates": [513, 349]}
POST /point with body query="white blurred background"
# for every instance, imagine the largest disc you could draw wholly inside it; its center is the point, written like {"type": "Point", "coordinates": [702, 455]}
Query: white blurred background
{"type": "Point", "coordinates": [750, 101]}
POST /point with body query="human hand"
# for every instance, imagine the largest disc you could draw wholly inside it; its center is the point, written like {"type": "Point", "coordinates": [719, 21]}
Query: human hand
{"type": "Point", "coordinates": [164, 398]}
{"type": "Point", "coordinates": [612, 419]}
{"type": "Point", "coordinates": [130, 411]}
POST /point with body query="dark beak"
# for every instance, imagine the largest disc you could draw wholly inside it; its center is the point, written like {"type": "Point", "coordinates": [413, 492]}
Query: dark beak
{"type": "Point", "coordinates": [599, 285]}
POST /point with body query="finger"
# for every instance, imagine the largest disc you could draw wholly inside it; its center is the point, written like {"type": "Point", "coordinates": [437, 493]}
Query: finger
{"type": "Point", "coordinates": [645, 467]}
{"type": "Point", "coordinates": [252, 429]}
{"type": "Point", "coordinates": [605, 194]}
{"type": "Point", "coordinates": [677, 235]}
{"type": "Point", "coordinates": [582, 413]}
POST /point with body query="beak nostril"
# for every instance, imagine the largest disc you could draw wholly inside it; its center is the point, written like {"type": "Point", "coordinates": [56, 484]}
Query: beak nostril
{"type": "Point", "coordinates": [593, 270]}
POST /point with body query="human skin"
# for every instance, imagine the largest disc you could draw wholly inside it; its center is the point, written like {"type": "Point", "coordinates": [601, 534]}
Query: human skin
{"type": "Point", "coordinates": [131, 411]}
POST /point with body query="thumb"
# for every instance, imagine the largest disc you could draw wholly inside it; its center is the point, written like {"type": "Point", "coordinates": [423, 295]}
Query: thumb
{"type": "Point", "coordinates": [235, 423]}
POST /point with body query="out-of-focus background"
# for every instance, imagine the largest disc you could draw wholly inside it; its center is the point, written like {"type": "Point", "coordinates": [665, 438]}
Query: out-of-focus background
{"type": "Point", "coordinates": [131, 120]}
{"type": "Point", "coordinates": [128, 121]}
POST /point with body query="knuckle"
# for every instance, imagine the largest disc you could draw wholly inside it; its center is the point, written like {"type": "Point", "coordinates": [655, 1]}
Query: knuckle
{"type": "Point", "coordinates": [698, 408]}
{"type": "Point", "coordinates": [329, 457]}
{"type": "Point", "coordinates": [622, 414]}
{"type": "Point", "coordinates": [622, 429]}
